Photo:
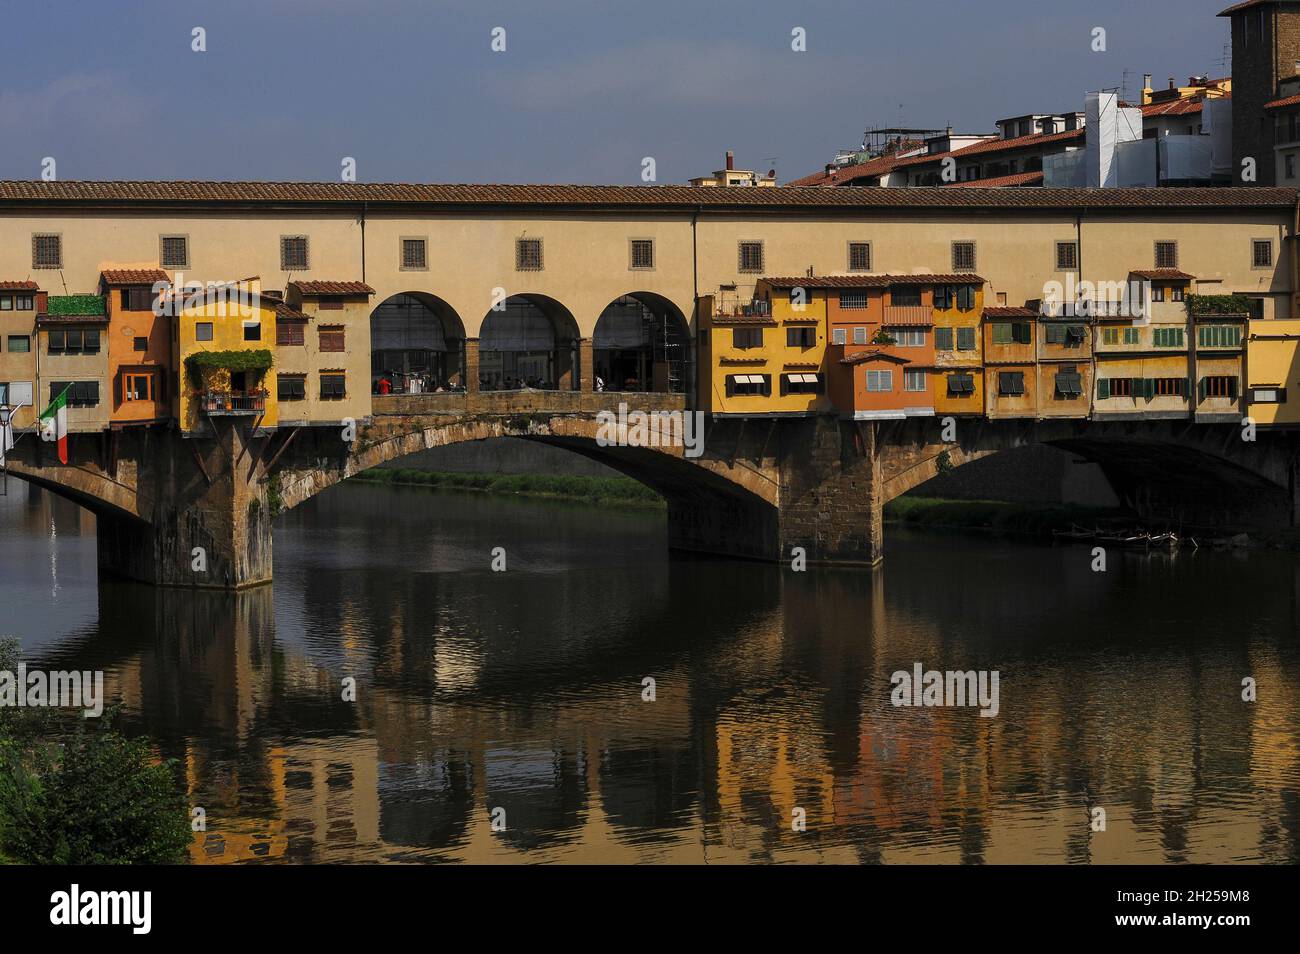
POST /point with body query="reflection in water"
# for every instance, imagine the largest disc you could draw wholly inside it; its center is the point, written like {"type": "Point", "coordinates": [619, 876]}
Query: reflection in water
{"type": "Point", "coordinates": [522, 691]}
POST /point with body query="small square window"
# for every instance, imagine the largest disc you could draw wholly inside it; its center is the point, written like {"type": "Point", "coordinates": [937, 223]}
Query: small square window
{"type": "Point", "coordinates": [859, 256]}
{"type": "Point", "coordinates": [1067, 256]}
{"type": "Point", "coordinates": [174, 251]}
{"type": "Point", "coordinates": [751, 257]}
{"type": "Point", "coordinates": [643, 253]}
{"type": "Point", "coordinates": [139, 343]}
{"type": "Point", "coordinates": [860, 336]}
{"type": "Point", "coordinates": [290, 332]}
{"type": "Point", "coordinates": [1166, 254]}
{"type": "Point", "coordinates": [47, 250]}
{"type": "Point", "coordinates": [20, 344]}
{"type": "Point", "coordinates": [253, 331]}
{"type": "Point", "coordinates": [414, 255]}
{"type": "Point", "coordinates": [528, 255]}
{"type": "Point", "coordinates": [839, 336]}
{"type": "Point", "coordinates": [1261, 253]}
{"type": "Point", "coordinates": [293, 253]}
{"type": "Point", "coordinates": [963, 256]}
{"type": "Point", "coordinates": [333, 386]}
{"type": "Point", "coordinates": [331, 339]}
{"type": "Point", "coordinates": [291, 387]}
{"type": "Point", "coordinates": [203, 331]}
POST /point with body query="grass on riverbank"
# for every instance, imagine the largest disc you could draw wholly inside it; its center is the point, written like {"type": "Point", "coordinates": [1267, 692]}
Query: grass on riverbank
{"type": "Point", "coordinates": [1004, 517]}
{"type": "Point", "coordinates": [601, 491]}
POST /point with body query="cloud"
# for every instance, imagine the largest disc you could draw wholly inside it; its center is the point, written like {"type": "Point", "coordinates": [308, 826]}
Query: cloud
{"type": "Point", "coordinates": [78, 102]}
{"type": "Point", "coordinates": [673, 73]}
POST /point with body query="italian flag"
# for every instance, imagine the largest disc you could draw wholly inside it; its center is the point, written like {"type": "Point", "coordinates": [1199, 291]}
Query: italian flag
{"type": "Point", "coordinates": [54, 423]}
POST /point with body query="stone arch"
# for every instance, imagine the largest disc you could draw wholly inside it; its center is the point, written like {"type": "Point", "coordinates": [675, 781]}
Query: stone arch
{"type": "Point", "coordinates": [1168, 471]}
{"type": "Point", "coordinates": [529, 341]}
{"type": "Point", "coordinates": [94, 491]}
{"type": "Point", "coordinates": [642, 342]}
{"type": "Point", "coordinates": [417, 342]}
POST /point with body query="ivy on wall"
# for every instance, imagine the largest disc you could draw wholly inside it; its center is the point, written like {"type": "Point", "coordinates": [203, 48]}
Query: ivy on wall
{"type": "Point", "coordinates": [258, 359]}
{"type": "Point", "coordinates": [1218, 305]}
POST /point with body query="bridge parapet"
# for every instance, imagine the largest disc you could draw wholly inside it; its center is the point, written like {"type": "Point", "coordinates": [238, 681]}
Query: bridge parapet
{"type": "Point", "coordinates": [523, 402]}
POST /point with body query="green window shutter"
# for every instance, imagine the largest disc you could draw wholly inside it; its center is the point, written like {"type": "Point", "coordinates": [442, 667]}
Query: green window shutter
{"type": "Point", "coordinates": [965, 339]}
{"type": "Point", "coordinates": [1103, 388]}
{"type": "Point", "coordinates": [943, 339]}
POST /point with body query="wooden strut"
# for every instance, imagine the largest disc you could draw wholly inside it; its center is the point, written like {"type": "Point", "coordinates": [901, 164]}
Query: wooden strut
{"type": "Point", "coordinates": [198, 460]}
{"type": "Point", "coordinates": [282, 448]}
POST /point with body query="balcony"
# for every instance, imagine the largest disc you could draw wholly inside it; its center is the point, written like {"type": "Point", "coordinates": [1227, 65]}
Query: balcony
{"type": "Point", "coordinates": [907, 315]}
{"type": "Point", "coordinates": [233, 402]}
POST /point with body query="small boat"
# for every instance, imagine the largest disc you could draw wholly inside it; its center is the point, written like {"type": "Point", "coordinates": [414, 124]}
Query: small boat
{"type": "Point", "coordinates": [1164, 541]}
{"type": "Point", "coordinates": [1075, 532]}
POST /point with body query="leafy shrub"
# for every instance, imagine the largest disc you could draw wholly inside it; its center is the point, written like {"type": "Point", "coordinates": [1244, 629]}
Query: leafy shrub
{"type": "Point", "coordinates": [97, 799]}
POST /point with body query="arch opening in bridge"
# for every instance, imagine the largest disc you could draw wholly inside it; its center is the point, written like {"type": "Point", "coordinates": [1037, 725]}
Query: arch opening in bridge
{"type": "Point", "coordinates": [529, 342]}
{"type": "Point", "coordinates": [641, 343]}
{"type": "Point", "coordinates": [417, 344]}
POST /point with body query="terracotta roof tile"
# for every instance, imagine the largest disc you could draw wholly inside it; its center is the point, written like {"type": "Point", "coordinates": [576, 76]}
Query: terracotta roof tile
{"type": "Point", "coordinates": [1010, 311]}
{"type": "Point", "coordinates": [743, 320]}
{"type": "Point", "coordinates": [332, 288]}
{"type": "Point", "coordinates": [874, 281]}
{"type": "Point", "coordinates": [18, 286]}
{"type": "Point", "coordinates": [1001, 182]}
{"type": "Point", "coordinates": [847, 175]}
{"type": "Point", "coordinates": [1162, 274]}
{"type": "Point", "coordinates": [1283, 102]}
{"type": "Point", "coordinates": [1174, 107]}
{"type": "Point", "coordinates": [134, 276]}
{"type": "Point", "coordinates": [291, 314]}
{"type": "Point", "coordinates": [997, 145]}
{"type": "Point", "coordinates": [27, 193]}
{"type": "Point", "coordinates": [861, 356]}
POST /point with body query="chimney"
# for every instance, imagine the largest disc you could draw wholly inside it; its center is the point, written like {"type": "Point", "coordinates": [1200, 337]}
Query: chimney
{"type": "Point", "coordinates": [1146, 80]}
{"type": "Point", "coordinates": [830, 168]}
{"type": "Point", "coordinates": [731, 156]}
{"type": "Point", "coordinates": [1172, 84]}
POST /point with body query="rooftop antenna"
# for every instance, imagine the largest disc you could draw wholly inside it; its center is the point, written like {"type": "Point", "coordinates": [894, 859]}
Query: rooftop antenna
{"type": "Point", "coordinates": [1224, 62]}
{"type": "Point", "coordinates": [1123, 85]}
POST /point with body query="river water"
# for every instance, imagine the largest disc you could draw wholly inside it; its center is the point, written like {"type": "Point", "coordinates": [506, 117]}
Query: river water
{"type": "Point", "coordinates": [505, 716]}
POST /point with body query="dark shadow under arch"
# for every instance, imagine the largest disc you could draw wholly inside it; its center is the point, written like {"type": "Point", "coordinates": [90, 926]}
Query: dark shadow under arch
{"type": "Point", "coordinates": [529, 341]}
{"type": "Point", "coordinates": [641, 342]}
{"type": "Point", "coordinates": [417, 344]}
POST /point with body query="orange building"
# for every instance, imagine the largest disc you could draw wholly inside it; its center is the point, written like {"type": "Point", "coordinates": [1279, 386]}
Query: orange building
{"type": "Point", "coordinates": [139, 347]}
{"type": "Point", "coordinates": [881, 330]}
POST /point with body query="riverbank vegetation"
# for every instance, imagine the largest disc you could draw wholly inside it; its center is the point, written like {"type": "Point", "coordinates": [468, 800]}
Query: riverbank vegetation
{"type": "Point", "coordinates": [601, 491]}
{"type": "Point", "coordinates": [83, 794]}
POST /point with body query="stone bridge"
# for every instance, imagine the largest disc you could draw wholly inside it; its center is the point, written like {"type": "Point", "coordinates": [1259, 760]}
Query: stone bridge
{"type": "Point", "coordinates": [199, 511]}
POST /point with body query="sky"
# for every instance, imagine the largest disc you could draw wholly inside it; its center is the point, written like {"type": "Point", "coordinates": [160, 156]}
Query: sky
{"type": "Point", "coordinates": [584, 90]}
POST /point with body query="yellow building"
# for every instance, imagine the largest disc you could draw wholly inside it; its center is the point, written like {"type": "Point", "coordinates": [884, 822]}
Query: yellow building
{"type": "Point", "coordinates": [1273, 363]}
{"type": "Point", "coordinates": [1143, 369]}
{"type": "Point", "coordinates": [958, 355]}
{"type": "Point", "coordinates": [766, 357]}
{"type": "Point", "coordinates": [224, 340]}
